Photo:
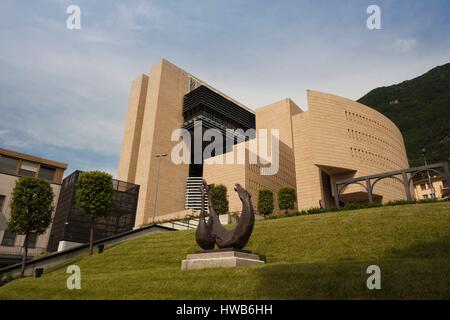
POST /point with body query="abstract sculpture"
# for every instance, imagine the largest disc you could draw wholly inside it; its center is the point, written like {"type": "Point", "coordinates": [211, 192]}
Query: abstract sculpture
{"type": "Point", "coordinates": [212, 232]}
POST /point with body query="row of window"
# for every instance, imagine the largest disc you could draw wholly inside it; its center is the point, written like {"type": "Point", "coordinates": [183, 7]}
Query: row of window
{"type": "Point", "coordinates": [374, 157]}
{"type": "Point", "coordinates": [374, 124]}
{"type": "Point", "coordinates": [426, 186]}
{"type": "Point", "coordinates": [371, 139]}
{"type": "Point", "coordinates": [9, 239]}
{"type": "Point", "coordinates": [378, 142]}
{"type": "Point", "coordinates": [24, 168]}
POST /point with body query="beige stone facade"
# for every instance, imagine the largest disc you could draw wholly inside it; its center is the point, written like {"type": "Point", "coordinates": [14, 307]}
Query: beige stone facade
{"type": "Point", "coordinates": [250, 177]}
{"type": "Point", "coordinates": [336, 138]}
{"type": "Point", "coordinates": [275, 116]}
{"type": "Point", "coordinates": [155, 110]}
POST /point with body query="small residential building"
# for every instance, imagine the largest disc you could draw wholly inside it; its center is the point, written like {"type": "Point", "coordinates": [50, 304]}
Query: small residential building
{"type": "Point", "coordinates": [71, 226]}
{"type": "Point", "coordinates": [439, 186]}
{"type": "Point", "coordinates": [14, 165]}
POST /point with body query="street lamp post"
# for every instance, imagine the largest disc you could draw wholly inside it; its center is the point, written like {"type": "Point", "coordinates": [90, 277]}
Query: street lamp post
{"type": "Point", "coordinates": [433, 193]}
{"type": "Point", "coordinates": [159, 156]}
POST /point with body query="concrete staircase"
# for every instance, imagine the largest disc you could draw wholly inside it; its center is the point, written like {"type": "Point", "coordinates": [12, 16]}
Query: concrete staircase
{"type": "Point", "coordinates": [193, 194]}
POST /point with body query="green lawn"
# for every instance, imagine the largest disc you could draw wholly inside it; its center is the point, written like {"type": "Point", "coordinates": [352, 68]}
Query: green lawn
{"type": "Point", "coordinates": [309, 257]}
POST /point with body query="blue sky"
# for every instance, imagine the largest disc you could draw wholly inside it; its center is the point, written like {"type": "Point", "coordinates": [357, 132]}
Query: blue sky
{"type": "Point", "coordinates": [64, 93]}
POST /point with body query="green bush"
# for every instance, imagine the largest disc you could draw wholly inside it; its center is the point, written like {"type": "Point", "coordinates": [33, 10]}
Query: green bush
{"type": "Point", "coordinates": [430, 200]}
{"type": "Point", "coordinates": [265, 202]}
{"type": "Point", "coordinates": [314, 210]}
{"type": "Point", "coordinates": [354, 206]}
{"type": "Point", "coordinates": [219, 198]}
{"type": "Point", "coordinates": [399, 202]}
{"type": "Point", "coordinates": [286, 198]}
{"type": "Point", "coordinates": [4, 279]}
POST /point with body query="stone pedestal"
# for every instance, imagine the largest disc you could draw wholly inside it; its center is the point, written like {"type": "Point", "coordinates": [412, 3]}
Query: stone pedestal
{"type": "Point", "coordinates": [221, 258]}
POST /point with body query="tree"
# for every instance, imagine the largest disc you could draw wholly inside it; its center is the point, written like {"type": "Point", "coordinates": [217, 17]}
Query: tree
{"type": "Point", "coordinates": [94, 193]}
{"type": "Point", "coordinates": [219, 198]}
{"type": "Point", "coordinates": [265, 201]}
{"type": "Point", "coordinates": [286, 198]}
{"type": "Point", "coordinates": [31, 210]}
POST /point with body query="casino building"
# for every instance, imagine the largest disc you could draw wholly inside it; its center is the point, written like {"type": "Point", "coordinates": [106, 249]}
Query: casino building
{"type": "Point", "coordinates": [336, 138]}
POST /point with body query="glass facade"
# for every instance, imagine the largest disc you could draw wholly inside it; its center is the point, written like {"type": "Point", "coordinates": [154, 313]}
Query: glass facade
{"type": "Point", "coordinates": [72, 224]}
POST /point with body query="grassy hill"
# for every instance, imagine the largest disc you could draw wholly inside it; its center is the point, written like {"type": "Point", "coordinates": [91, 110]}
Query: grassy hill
{"type": "Point", "coordinates": [309, 257]}
{"type": "Point", "coordinates": [421, 110]}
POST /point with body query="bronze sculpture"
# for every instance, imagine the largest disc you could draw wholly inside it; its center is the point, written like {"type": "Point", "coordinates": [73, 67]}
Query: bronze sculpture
{"type": "Point", "coordinates": [212, 232]}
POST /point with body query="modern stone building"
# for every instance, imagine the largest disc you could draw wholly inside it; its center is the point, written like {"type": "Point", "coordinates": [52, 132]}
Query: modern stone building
{"type": "Point", "coordinates": [12, 166]}
{"type": "Point", "coordinates": [336, 138]}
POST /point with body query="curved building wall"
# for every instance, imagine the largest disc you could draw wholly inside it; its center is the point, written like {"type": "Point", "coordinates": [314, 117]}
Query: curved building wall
{"type": "Point", "coordinates": [340, 138]}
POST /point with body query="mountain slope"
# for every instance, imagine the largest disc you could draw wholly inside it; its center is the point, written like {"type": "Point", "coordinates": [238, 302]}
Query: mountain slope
{"type": "Point", "coordinates": [421, 110]}
{"type": "Point", "coordinates": [308, 257]}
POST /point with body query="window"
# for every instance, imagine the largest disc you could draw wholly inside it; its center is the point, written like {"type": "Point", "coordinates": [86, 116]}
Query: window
{"type": "Point", "coordinates": [9, 238]}
{"type": "Point", "coordinates": [28, 169]}
{"type": "Point", "coordinates": [32, 238]}
{"type": "Point", "coordinates": [46, 173]}
{"type": "Point", "coordinates": [423, 186]}
{"type": "Point", "coordinates": [425, 196]}
{"type": "Point", "coordinates": [8, 165]}
{"type": "Point", "coordinates": [2, 201]}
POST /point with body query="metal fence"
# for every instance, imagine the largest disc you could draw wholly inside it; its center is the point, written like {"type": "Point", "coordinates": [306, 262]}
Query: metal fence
{"type": "Point", "coordinates": [18, 250]}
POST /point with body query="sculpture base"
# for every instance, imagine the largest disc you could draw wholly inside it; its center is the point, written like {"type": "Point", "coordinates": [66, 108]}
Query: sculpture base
{"type": "Point", "coordinates": [221, 258]}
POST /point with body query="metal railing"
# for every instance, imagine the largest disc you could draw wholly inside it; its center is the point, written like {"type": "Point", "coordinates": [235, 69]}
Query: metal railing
{"type": "Point", "coordinates": [18, 250]}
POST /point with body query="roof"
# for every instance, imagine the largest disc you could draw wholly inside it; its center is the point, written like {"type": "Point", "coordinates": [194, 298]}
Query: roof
{"type": "Point", "coordinates": [32, 158]}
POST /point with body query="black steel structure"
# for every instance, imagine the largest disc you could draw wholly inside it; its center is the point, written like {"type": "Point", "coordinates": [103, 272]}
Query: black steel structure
{"type": "Point", "coordinates": [404, 176]}
{"type": "Point", "coordinates": [71, 224]}
{"type": "Point", "coordinates": [211, 110]}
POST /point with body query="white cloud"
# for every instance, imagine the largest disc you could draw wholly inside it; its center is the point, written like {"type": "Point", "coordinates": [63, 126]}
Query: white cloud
{"type": "Point", "coordinates": [405, 44]}
{"type": "Point", "coordinates": [142, 15]}
{"type": "Point", "coordinates": [69, 89]}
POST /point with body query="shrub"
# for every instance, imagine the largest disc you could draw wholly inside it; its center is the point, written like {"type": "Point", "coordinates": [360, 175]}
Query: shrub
{"type": "Point", "coordinates": [4, 279]}
{"type": "Point", "coordinates": [430, 200]}
{"type": "Point", "coordinates": [219, 198]}
{"type": "Point", "coordinates": [315, 210]}
{"type": "Point", "coordinates": [265, 202]}
{"type": "Point", "coordinates": [286, 198]}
